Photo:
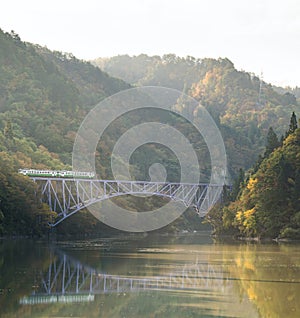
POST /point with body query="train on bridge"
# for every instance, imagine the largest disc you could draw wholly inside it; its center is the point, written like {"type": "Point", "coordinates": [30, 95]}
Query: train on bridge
{"type": "Point", "coordinates": [57, 173]}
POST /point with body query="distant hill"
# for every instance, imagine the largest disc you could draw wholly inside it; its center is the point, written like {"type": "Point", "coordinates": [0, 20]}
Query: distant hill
{"type": "Point", "coordinates": [45, 95]}
{"type": "Point", "coordinates": [288, 90]}
{"type": "Point", "coordinates": [168, 70]}
{"type": "Point", "coordinates": [241, 103]}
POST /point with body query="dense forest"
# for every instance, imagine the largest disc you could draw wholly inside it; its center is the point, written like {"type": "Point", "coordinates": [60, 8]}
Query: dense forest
{"type": "Point", "coordinates": [44, 96]}
{"type": "Point", "coordinates": [242, 104]}
{"type": "Point", "coordinates": [265, 203]}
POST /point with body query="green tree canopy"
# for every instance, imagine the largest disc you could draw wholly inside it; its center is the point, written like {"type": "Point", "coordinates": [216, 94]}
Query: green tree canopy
{"type": "Point", "coordinates": [272, 142]}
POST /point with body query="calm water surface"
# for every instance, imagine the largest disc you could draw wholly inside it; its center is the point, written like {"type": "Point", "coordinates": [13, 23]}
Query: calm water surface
{"type": "Point", "coordinates": [149, 276]}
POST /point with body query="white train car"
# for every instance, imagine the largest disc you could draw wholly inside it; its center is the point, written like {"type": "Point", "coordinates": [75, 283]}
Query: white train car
{"type": "Point", "coordinates": [57, 173]}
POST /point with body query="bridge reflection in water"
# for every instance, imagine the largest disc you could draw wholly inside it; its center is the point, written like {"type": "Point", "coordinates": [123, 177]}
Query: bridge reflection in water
{"type": "Point", "coordinates": [68, 281]}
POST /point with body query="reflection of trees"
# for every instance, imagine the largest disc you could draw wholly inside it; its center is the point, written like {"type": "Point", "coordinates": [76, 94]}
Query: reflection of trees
{"type": "Point", "coordinates": [181, 279]}
{"type": "Point", "coordinates": [16, 256]}
{"type": "Point", "coordinates": [176, 280]}
{"type": "Point", "coordinates": [269, 275]}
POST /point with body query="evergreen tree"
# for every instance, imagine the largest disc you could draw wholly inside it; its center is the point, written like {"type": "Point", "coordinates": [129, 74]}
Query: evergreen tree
{"type": "Point", "coordinates": [293, 124]}
{"type": "Point", "coordinates": [272, 142]}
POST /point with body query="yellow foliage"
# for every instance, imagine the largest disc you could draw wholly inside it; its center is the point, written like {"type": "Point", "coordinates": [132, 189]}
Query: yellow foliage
{"type": "Point", "coordinates": [248, 213]}
{"type": "Point", "coordinates": [238, 262]}
{"type": "Point", "coordinates": [239, 216]}
{"type": "Point", "coordinates": [207, 78]}
{"type": "Point", "coordinates": [251, 293]}
{"type": "Point", "coordinates": [248, 265]}
{"type": "Point", "coordinates": [248, 223]}
{"type": "Point", "coordinates": [251, 183]}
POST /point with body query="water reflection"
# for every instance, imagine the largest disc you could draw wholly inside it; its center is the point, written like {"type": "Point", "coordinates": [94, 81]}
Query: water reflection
{"type": "Point", "coordinates": [68, 280]}
{"type": "Point", "coordinates": [186, 276]}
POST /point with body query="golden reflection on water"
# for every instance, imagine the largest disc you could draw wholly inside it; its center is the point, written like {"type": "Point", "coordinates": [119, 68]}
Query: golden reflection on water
{"type": "Point", "coordinates": [168, 279]}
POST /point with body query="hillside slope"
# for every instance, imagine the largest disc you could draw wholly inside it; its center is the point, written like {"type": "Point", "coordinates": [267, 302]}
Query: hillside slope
{"type": "Point", "coordinates": [268, 203]}
{"type": "Point", "coordinates": [243, 106]}
{"type": "Point", "coordinates": [44, 96]}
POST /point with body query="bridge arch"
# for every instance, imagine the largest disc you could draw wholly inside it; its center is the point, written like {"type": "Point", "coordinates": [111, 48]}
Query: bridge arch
{"type": "Point", "coordinates": [69, 196]}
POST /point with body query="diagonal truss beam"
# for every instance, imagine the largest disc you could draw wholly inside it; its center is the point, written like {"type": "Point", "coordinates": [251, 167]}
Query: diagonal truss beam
{"type": "Point", "coordinates": [68, 196]}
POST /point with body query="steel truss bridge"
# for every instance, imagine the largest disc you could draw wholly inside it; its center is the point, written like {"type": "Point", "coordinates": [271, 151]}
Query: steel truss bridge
{"type": "Point", "coordinates": [68, 281]}
{"type": "Point", "coordinates": [68, 196]}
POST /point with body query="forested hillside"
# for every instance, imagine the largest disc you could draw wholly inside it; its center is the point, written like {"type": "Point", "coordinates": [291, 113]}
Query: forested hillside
{"type": "Point", "coordinates": [44, 96]}
{"type": "Point", "coordinates": [266, 202]}
{"type": "Point", "coordinates": [243, 106]}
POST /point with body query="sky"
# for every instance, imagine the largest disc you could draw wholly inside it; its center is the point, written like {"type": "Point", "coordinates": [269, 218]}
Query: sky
{"type": "Point", "coordinates": [258, 36]}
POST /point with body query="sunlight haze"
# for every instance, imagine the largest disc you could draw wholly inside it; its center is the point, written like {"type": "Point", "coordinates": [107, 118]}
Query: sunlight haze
{"type": "Point", "coordinates": [258, 36]}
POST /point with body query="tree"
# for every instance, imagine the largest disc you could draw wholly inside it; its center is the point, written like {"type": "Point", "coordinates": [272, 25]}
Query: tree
{"type": "Point", "coordinates": [272, 142]}
{"type": "Point", "coordinates": [293, 124]}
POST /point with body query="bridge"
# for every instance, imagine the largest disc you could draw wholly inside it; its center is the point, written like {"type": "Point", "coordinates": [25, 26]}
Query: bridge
{"type": "Point", "coordinates": [67, 196]}
{"type": "Point", "coordinates": [67, 281]}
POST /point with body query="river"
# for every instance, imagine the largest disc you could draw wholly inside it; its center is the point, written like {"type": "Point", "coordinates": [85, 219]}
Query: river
{"type": "Point", "coordinates": [187, 275]}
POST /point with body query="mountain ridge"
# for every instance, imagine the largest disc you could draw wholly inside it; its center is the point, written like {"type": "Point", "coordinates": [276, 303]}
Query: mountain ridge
{"type": "Point", "coordinates": [45, 95]}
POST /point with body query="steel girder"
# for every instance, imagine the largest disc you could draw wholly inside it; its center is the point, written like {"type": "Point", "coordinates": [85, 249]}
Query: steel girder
{"type": "Point", "coordinates": [68, 196]}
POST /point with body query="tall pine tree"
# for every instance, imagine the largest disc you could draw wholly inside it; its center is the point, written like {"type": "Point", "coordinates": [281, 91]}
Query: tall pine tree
{"type": "Point", "coordinates": [272, 142]}
{"type": "Point", "coordinates": [293, 124]}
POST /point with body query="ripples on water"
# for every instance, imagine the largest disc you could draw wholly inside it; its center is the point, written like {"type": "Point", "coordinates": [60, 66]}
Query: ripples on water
{"type": "Point", "coordinates": [149, 276]}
